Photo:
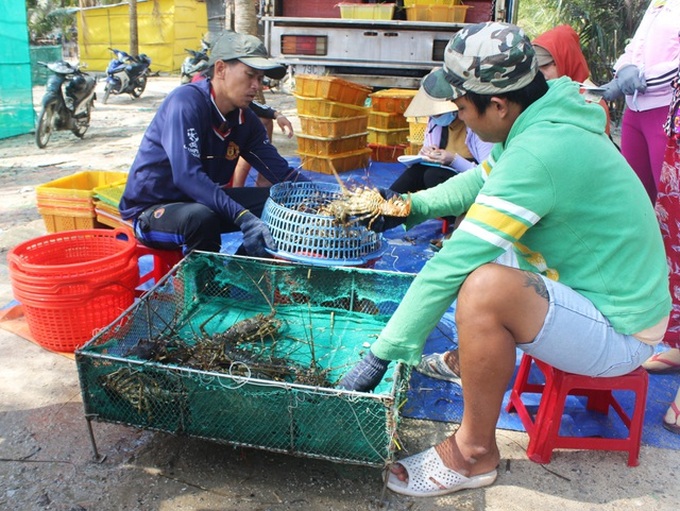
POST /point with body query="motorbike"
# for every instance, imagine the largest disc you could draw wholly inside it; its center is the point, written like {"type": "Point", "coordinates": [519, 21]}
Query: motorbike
{"type": "Point", "coordinates": [195, 63]}
{"type": "Point", "coordinates": [67, 103]}
{"type": "Point", "coordinates": [126, 74]}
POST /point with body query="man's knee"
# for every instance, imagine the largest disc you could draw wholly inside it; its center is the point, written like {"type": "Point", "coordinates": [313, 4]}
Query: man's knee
{"type": "Point", "coordinates": [201, 229]}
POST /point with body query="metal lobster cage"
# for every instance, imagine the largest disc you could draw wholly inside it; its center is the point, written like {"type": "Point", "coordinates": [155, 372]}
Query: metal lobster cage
{"type": "Point", "coordinates": [275, 391]}
{"type": "Point", "coordinates": [302, 235]}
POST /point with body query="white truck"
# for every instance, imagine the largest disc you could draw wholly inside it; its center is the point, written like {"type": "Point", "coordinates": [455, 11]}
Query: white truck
{"type": "Point", "coordinates": [378, 53]}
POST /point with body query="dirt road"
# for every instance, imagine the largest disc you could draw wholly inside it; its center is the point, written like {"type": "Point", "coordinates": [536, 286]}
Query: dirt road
{"type": "Point", "coordinates": [46, 460]}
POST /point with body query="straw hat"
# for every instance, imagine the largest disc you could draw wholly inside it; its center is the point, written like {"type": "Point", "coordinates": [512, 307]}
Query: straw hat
{"type": "Point", "coordinates": [423, 106]}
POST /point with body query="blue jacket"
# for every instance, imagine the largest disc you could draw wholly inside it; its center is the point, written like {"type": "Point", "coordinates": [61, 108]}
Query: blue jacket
{"type": "Point", "coordinates": [189, 153]}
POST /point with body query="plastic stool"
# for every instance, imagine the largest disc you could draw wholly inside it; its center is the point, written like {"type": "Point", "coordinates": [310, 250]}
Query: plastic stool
{"type": "Point", "coordinates": [163, 261]}
{"type": "Point", "coordinates": [544, 429]}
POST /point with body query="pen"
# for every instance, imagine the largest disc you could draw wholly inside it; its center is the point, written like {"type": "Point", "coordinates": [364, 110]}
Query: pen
{"type": "Point", "coordinates": [635, 94]}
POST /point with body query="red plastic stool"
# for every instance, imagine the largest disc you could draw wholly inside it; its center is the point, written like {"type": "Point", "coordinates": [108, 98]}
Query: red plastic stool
{"type": "Point", "coordinates": [544, 429]}
{"type": "Point", "coordinates": [163, 261]}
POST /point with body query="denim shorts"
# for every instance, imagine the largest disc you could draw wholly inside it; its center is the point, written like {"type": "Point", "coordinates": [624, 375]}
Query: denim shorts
{"type": "Point", "coordinates": [577, 338]}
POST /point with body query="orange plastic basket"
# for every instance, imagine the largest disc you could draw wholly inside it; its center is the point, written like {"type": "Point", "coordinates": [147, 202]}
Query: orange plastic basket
{"type": "Point", "coordinates": [73, 254]}
{"type": "Point", "coordinates": [71, 284]}
{"type": "Point", "coordinates": [64, 323]}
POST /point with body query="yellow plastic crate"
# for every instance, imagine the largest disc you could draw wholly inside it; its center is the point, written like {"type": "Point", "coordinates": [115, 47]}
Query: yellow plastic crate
{"type": "Point", "coordinates": [386, 120]}
{"type": "Point", "coordinates": [440, 13]}
{"type": "Point", "coordinates": [321, 146]}
{"type": "Point", "coordinates": [332, 88]}
{"type": "Point", "coordinates": [411, 3]}
{"type": "Point", "coordinates": [78, 186]}
{"type": "Point", "coordinates": [109, 215]}
{"type": "Point", "coordinates": [391, 100]}
{"type": "Point", "coordinates": [333, 127]}
{"type": "Point", "coordinates": [388, 137]}
{"type": "Point", "coordinates": [417, 126]}
{"type": "Point", "coordinates": [387, 153]}
{"type": "Point", "coordinates": [413, 148]}
{"type": "Point", "coordinates": [57, 220]}
{"type": "Point", "coordinates": [338, 162]}
{"type": "Point", "coordinates": [320, 107]}
{"type": "Point", "coordinates": [110, 194]}
{"type": "Point", "coordinates": [366, 11]}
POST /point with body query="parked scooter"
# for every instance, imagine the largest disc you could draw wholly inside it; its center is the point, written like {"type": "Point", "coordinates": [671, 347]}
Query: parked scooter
{"type": "Point", "coordinates": [195, 64]}
{"type": "Point", "coordinates": [67, 103]}
{"type": "Point", "coordinates": [126, 74]}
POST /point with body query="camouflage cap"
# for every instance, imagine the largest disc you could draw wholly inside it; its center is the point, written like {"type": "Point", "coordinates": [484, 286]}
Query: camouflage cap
{"type": "Point", "coordinates": [486, 58]}
{"type": "Point", "coordinates": [248, 49]}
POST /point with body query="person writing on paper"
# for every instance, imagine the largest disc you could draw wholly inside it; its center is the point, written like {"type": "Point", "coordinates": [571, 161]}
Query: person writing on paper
{"type": "Point", "coordinates": [590, 294]}
{"type": "Point", "coordinates": [643, 75]}
{"type": "Point", "coordinates": [558, 52]}
{"type": "Point", "coordinates": [448, 148]}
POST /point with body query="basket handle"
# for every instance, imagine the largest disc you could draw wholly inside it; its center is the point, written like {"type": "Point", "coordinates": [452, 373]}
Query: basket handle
{"type": "Point", "coordinates": [77, 300]}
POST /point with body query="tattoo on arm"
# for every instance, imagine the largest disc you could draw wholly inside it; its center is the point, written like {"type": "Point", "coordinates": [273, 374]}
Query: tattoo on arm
{"type": "Point", "coordinates": [535, 281]}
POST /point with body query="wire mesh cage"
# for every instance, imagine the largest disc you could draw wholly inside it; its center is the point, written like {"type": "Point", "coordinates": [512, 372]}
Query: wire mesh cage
{"type": "Point", "coordinates": [302, 235]}
{"type": "Point", "coordinates": [248, 352]}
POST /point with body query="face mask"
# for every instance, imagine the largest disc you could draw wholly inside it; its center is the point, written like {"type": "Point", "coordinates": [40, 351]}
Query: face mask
{"type": "Point", "coordinates": [445, 119]}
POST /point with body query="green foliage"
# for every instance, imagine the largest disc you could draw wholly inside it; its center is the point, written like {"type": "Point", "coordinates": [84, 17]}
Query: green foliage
{"type": "Point", "coordinates": [604, 28]}
{"type": "Point", "coordinates": [51, 20]}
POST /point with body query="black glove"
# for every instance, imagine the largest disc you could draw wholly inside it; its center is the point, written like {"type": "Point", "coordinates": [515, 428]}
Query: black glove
{"type": "Point", "coordinates": [256, 236]}
{"type": "Point", "coordinates": [383, 223]}
{"type": "Point", "coordinates": [366, 375]}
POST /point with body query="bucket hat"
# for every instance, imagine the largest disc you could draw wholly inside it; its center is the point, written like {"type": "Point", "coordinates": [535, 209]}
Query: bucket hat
{"type": "Point", "coordinates": [486, 58]}
{"type": "Point", "coordinates": [247, 49]}
{"type": "Point", "coordinates": [424, 106]}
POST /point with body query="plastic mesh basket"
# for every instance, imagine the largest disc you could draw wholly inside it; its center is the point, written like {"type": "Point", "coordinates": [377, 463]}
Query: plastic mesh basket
{"type": "Point", "coordinates": [316, 239]}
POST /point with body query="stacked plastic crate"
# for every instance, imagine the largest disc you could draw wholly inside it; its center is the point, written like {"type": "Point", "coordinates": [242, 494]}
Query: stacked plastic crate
{"type": "Point", "coordinates": [333, 121]}
{"type": "Point", "coordinates": [67, 203]}
{"type": "Point", "coordinates": [388, 129]}
{"type": "Point", "coordinates": [448, 11]}
{"type": "Point", "coordinates": [416, 134]}
{"type": "Point", "coordinates": [106, 201]}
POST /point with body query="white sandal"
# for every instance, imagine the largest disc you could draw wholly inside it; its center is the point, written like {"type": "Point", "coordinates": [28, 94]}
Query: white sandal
{"type": "Point", "coordinates": [435, 366]}
{"type": "Point", "coordinates": [429, 477]}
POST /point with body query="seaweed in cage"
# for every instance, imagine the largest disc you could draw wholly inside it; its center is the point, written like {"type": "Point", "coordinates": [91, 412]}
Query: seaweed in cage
{"type": "Point", "coordinates": [246, 349]}
{"type": "Point", "coordinates": [153, 396]}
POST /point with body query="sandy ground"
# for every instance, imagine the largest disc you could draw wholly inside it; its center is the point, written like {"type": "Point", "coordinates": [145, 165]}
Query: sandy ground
{"type": "Point", "coordinates": [46, 459]}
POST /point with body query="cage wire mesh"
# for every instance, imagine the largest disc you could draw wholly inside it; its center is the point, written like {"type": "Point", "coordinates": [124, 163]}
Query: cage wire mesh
{"type": "Point", "coordinates": [248, 352]}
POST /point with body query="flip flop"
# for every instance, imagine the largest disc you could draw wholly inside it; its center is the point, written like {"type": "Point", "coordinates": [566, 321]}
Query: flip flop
{"type": "Point", "coordinates": [673, 427]}
{"type": "Point", "coordinates": [429, 477]}
{"type": "Point", "coordinates": [435, 366]}
{"type": "Point", "coordinates": [666, 366]}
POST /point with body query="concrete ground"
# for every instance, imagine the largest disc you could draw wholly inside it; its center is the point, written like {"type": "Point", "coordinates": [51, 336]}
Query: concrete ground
{"type": "Point", "coordinates": [46, 458]}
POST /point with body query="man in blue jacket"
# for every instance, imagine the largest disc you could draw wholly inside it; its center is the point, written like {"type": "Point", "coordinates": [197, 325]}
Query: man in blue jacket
{"type": "Point", "coordinates": [178, 191]}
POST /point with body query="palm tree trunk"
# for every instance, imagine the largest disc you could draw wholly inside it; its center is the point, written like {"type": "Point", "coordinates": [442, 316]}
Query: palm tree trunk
{"type": "Point", "coordinates": [134, 34]}
{"type": "Point", "coordinates": [245, 16]}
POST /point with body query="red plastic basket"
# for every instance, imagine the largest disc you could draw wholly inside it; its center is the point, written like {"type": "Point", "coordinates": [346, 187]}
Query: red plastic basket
{"type": "Point", "coordinates": [50, 286]}
{"type": "Point", "coordinates": [73, 283]}
{"type": "Point", "coordinates": [73, 254]}
{"type": "Point", "coordinates": [64, 326]}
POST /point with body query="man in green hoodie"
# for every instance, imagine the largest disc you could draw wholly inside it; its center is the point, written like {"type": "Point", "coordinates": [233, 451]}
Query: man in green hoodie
{"type": "Point", "coordinates": [590, 294]}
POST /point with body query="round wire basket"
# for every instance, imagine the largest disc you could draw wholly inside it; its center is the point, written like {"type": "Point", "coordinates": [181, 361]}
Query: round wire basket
{"type": "Point", "coordinates": [302, 235]}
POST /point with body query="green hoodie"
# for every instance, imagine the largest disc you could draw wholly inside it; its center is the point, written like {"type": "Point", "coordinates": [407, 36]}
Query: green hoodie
{"type": "Point", "coordinates": [560, 195]}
